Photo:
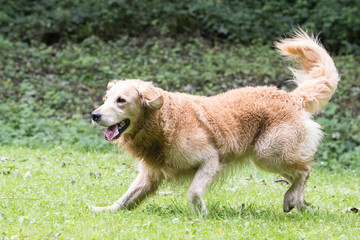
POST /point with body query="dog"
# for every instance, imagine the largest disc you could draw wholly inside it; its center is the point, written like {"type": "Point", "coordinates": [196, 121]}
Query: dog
{"type": "Point", "coordinates": [172, 134]}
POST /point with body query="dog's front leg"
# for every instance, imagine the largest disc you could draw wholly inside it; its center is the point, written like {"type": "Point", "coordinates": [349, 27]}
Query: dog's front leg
{"type": "Point", "coordinates": [144, 185]}
{"type": "Point", "coordinates": [204, 176]}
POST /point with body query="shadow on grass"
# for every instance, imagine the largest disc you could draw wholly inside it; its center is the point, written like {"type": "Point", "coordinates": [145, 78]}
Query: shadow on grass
{"type": "Point", "coordinates": [243, 211]}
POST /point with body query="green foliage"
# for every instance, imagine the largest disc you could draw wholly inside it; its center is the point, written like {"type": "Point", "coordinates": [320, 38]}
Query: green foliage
{"type": "Point", "coordinates": [48, 92]}
{"type": "Point", "coordinates": [341, 143]}
{"type": "Point", "coordinates": [244, 21]}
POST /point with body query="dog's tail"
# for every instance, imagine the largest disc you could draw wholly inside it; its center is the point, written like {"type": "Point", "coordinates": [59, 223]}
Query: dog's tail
{"type": "Point", "coordinates": [316, 75]}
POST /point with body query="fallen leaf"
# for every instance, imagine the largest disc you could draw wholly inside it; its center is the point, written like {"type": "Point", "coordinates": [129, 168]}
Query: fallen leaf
{"type": "Point", "coordinates": [62, 164]}
{"type": "Point", "coordinates": [5, 172]}
{"type": "Point", "coordinates": [95, 175]}
{"type": "Point", "coordinates": [83, 87]}
{"type": "Point", "coordinates": [3, 159]}
{"type": "Point", "coordinates": [247, 178]}
{"type": "Point", "coordinates": [27, 174]}
{"type": "Point", "coordinates": [351, 209]}
{"type": "Point", "coordinates": [281, 180]}
{"type": "Point", "coordinates": [73, 181]}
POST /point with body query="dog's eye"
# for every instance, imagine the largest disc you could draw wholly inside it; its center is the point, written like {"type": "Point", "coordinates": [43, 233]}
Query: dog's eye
{"type": "Point", "coordinates": [120, 100]}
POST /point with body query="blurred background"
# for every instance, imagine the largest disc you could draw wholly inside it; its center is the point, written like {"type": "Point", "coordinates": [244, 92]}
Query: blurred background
{"type": "Point", "coordinates": [56, 57]}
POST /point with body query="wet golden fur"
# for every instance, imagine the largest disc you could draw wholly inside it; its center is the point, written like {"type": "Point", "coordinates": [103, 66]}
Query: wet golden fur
{"type": "Point", "coordinates": [174, 133]}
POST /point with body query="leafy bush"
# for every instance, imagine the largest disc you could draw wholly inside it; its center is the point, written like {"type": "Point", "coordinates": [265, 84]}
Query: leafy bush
{"type": "Point", "coordinates": [243, 21]}
{"type": "Point", "coordinates": [341, 142]}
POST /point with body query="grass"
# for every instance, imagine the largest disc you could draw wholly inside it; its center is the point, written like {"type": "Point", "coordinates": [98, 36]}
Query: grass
{"type": "Point", "coordinates": [52, 203]}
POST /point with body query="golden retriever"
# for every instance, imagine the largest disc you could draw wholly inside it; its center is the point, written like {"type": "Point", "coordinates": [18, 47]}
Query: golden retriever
{"type": "Point", "coordinates": [172, 134]}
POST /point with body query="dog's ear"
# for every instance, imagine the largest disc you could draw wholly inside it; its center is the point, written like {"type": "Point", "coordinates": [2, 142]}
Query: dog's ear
{"type": "Point", "coordinates": [155, 103]}
{"type": "Point", "coordinates": [111, 84]}
{"type": "Point", "coordinates": [150, 96]}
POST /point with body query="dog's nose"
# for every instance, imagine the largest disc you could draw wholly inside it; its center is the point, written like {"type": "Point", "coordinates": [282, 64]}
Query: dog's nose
{"type": "Point", "coordinates": [95, 116]}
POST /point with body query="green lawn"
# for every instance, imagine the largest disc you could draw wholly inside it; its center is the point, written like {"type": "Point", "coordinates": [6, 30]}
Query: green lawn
{"type": "Point", "coordinates": [52, 203]}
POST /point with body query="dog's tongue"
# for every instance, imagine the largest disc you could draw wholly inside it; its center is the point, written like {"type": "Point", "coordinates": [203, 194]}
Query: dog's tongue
{"type": "Point", "coordinates": [111, 132]}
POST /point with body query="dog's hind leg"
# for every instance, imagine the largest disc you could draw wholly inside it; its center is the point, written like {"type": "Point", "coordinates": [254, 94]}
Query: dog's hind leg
{"type": "Point", "coordinates": [145, 184]}
{"type": "Point", "coordinates": [204, 176]}
{"type": "Point", "coordinates": [294, 197]}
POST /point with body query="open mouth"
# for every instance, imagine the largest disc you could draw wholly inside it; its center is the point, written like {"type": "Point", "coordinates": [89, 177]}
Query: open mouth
{"type": "Point", "coordinates": [114, 131]}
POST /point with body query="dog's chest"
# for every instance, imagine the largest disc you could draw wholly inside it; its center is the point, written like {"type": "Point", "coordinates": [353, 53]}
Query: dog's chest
{"type": "Point", "coordinates": [189, 156]}
{"type": "Point", "coordinates": [178, 158]}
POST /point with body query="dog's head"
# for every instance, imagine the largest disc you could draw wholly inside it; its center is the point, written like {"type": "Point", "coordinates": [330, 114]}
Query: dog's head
{"type": "Point", "coordinates": [124, 105]}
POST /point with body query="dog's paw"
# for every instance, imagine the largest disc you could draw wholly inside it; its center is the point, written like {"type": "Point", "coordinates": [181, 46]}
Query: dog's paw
{"type": "Point", "coordinates": [112, 208]}
{"type": "Point", "coordinates": [97, 209]}
{"type": "Point", "coordinates": [300, 206]}
{"type": "Point", "coordinates": [288, 207]}
{"type": "Point", "coordinates": [290, 202]}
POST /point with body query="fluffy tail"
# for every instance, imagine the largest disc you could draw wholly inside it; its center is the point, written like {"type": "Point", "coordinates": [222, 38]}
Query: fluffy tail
{"type": "Point", "coordinates": [316, 74]}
